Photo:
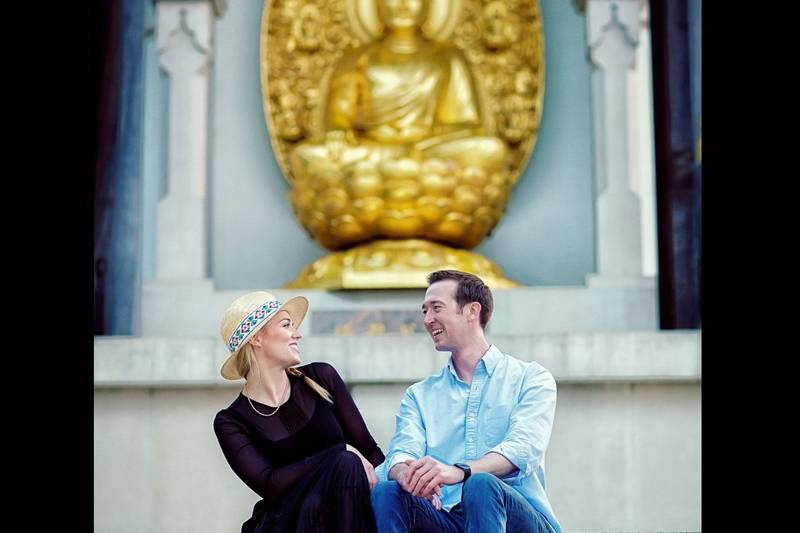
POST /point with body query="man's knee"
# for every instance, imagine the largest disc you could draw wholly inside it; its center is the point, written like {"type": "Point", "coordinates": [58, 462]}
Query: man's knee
{"type": "Point", "coordinates": [387, 492]}
{"type": "Point", "coordinates": [479, 487]}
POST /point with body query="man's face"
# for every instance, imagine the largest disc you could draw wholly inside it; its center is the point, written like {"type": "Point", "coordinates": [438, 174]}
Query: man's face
{"type": "Point", "coordinates": [444, 322]}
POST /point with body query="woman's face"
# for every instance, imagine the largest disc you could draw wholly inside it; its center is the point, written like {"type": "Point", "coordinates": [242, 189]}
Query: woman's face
{"type": "Point", "coordinates": [279, 340]}
{"type": "Point", "coordinates": [402, 13]}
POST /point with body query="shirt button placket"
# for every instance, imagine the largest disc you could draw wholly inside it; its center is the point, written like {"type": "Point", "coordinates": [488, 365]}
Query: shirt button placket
{"type": "Point", "coordinates": [472, 419]}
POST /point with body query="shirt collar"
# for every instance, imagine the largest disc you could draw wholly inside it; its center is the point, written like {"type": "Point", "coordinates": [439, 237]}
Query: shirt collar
{"type": "Point", "coordinates": [489, 361]}
{"type": "Point", "coordinates": [491, 358]}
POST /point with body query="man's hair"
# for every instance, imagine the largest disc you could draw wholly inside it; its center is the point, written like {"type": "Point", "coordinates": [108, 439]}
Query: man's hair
{"type": "Point", "coordinates": [470, 289]}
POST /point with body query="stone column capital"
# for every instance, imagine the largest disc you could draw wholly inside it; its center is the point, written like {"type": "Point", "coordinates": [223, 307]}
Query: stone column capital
{"type": "Point", "coordinates": [612, 29]}
{"type": "Point", "coordinates": [219, 6]}
{"type": "Point", "coordinates": [183, 27]}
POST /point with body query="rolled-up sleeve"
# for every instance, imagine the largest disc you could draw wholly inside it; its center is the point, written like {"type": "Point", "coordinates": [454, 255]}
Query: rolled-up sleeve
{"type": "Point", "coordinates": [530, 424]}
{"type": "Point", "coordinates": [408, 441]}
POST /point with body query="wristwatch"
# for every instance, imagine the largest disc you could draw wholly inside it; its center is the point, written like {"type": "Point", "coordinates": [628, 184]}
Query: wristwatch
{"type": "Point", "coordinates": [464, 468]}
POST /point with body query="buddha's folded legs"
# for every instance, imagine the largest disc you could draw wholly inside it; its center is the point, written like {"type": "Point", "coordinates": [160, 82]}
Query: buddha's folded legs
{"type": "Point", "coordinates": [312, 159]}
{"type": "Point", "coordinates": [484, 152]}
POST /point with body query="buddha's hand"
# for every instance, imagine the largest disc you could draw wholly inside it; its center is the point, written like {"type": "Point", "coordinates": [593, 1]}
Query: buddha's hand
{"type": "Point", "coordinates": [335, 142]}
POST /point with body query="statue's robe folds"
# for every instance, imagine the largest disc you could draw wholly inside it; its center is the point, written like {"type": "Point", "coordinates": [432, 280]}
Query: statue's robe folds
{"type": "Point", "coordinates": [394, 103]}
{"type": "Point", "coordinates": [403, 98]}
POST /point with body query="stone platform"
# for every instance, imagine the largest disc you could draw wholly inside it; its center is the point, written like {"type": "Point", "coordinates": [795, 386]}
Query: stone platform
{"type": "Point", "coordinates": [624, 454]}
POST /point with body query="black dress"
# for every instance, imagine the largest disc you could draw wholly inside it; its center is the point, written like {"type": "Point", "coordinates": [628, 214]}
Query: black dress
{"type": "Point", "coordinates": [296, 460]}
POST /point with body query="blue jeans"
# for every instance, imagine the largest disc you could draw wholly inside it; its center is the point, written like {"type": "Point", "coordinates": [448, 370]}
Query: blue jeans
{"type": "Point", "coordinates": [487, 505]}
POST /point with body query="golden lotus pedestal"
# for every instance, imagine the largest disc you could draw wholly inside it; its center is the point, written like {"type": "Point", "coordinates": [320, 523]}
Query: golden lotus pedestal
{"type": "Point", "coordinates": [395, 264]}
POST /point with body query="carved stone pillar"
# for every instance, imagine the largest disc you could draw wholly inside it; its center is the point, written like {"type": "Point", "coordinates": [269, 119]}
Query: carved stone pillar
{"type": "Point", "coordinates": [612, 31]}
{"type": "Point", "coordinates": [185, 43]}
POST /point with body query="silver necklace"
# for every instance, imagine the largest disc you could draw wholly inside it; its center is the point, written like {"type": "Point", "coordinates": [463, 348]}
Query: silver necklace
{"type": "Point", "coordinates": [279, 403]}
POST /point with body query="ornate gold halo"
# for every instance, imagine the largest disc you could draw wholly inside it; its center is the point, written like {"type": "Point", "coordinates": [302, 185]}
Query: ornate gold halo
{"type": "Point", "coordinates": [443, 16]}
{"type": "Point", "coordinates": [504, 47]}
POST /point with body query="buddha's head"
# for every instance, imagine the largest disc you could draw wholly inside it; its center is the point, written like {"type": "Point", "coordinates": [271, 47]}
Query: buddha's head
{"type": "Point", "coordinates": [402, 14]}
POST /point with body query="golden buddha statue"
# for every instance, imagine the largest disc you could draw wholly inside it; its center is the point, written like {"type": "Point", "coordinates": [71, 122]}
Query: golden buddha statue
{"type": "Point", "coordinates": [399, 142]}
{"type": "Point", "coordinates": [401, 96]}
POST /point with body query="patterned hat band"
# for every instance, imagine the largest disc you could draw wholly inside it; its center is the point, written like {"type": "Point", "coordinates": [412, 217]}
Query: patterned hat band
{"type": "Point", "coordinates": [252, 321]}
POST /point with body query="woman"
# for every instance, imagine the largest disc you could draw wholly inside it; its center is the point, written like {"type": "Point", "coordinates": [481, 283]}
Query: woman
{"type": "Point", "coordinates": [293, 435]}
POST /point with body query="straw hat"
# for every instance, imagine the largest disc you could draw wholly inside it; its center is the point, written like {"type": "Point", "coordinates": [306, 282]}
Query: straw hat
{"type": "Point", "coordinates": [246, 316]}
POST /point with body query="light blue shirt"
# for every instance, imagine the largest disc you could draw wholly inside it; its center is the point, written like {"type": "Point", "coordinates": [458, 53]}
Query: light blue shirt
{"type": "Point", "coordinates": [508, 409]}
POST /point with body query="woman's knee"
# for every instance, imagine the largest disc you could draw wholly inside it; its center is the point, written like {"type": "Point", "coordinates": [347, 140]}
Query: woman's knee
{"type": "Point", "coordinates": [349, 470]}
{"type": "Point", "coordinates": [348, 460]}
{"type": "Point", "coordinates": [311, 504]}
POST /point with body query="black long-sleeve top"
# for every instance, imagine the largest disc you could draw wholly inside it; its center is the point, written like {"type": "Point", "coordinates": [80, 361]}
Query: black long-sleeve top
{"type": "Point", "coordinates": [271, 454]}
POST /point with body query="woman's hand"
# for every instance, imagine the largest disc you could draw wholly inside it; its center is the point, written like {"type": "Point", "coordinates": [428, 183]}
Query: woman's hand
{"type": "Point", "coordinates": [368, 468]}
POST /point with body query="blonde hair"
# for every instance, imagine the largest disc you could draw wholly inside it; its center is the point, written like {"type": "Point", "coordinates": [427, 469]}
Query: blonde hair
{"type": "Point", "coordinates": [245, 360]}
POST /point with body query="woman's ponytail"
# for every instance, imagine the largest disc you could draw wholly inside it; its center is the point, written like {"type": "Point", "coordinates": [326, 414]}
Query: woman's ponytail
{"type": "Point", "coordinates": [319, 389]}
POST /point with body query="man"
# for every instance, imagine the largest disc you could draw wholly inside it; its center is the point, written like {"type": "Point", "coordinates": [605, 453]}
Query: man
{"type": "Point", "coordinates": [468, 450]}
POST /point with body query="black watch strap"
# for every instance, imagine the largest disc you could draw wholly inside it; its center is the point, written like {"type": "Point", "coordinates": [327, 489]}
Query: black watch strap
{"type": "Point", "coordinates": [464, 468]}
